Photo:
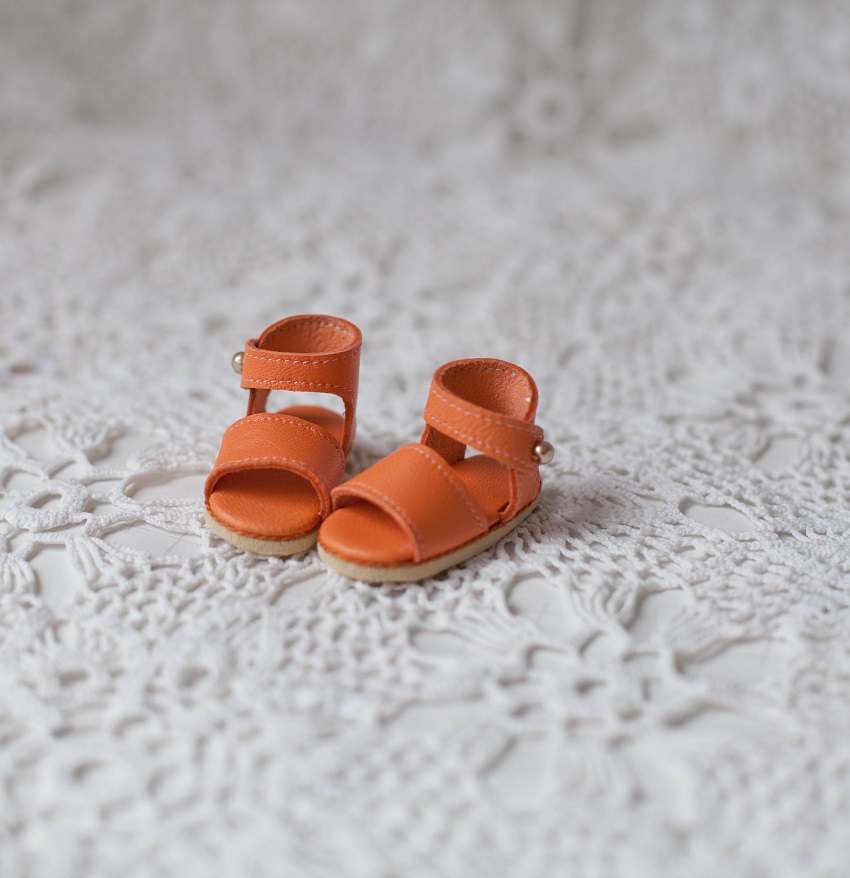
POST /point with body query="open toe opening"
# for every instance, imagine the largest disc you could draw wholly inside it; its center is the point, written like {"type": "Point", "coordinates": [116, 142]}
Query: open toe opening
{"type": "Point", "coordinates": [266, 503]}
{"type": "Point", "coordinates": [362, 533]}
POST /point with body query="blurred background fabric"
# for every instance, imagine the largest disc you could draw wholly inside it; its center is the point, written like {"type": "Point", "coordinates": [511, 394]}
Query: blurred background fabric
{"type": "Point", "coordinates": [659, 93]}
{"type": "Point", "coordinates": [644, 204]}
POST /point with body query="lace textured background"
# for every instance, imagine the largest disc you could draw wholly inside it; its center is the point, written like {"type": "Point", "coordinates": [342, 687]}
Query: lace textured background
{"type": "Point", "coordinates": [643, 204]}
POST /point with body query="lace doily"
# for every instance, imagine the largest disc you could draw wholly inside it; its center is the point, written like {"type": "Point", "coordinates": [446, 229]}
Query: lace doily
{"type": "Point", "coordinates": [644, 207]}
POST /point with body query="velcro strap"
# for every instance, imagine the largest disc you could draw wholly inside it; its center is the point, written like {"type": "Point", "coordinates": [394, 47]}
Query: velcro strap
{"type": "Point", "coordinates": [279, 441]}
{"type": "Point", "coordinates": [509, 440]}
{"type": "Point", "coordinates": [417, 488]}
{"type": "Point", "coordinates": [321, 373]}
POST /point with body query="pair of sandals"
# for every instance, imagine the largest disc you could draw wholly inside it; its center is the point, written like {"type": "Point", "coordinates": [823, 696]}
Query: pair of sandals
{"type": "Point", "coordinates": [275, 487]}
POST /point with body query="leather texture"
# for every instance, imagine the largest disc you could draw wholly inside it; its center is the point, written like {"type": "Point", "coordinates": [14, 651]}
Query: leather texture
{"type": "Point", "coordinates": [285, 442]}
{"type": "Point", "coordinates": [425, 500]}
{"type": "Point", "coordinates": [435, 517]}
{"type": "Point", "coordinates": [310, 353]}
{"type": "Point", "coordinates": [467, 404]}
{"type": "Point", "coordinates": [274, 473]}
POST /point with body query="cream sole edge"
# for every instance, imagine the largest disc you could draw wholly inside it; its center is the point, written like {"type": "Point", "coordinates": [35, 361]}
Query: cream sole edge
{"type": "Point", "coordinates": [417, 572]}
{"type": "Point", "coordinates": [261, 547]}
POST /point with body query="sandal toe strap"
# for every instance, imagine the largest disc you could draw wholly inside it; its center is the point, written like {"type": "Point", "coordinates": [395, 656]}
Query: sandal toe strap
{"type": "Point", "coordinates": [279, 441]}
{"type": "Point", "coordinates": [417, 488]}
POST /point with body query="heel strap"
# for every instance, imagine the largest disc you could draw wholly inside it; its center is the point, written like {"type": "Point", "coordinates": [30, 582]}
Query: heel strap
{"type": "Point", "coordinates": [310, 353]}
{"type": "Point", "coordinates": [486, 404]}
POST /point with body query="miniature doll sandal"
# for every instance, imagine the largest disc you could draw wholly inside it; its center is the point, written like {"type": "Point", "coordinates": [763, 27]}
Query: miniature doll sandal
{"type": "Point", "coordinates": [271, 484]}
{"type": "Point", "coordinates": [427, 506]}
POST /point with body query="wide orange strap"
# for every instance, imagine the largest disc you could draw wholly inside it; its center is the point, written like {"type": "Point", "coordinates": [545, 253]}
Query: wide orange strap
{"type": "Point", "coordinates": [417, 488]}
{"type": "Point", "coordinates": [311, 353]}
{"type": "Point", "coordinates": [279, 441]}
{"type": "Point", "coordinates": [320, 373]}
{"type": "Point", "coordinates": [508, 439]}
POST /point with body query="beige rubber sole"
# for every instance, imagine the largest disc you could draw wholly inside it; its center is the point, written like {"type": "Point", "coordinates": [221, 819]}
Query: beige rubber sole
{"type": "Point", "coordinates": [261, 547]}
{"type": "Point", "coordinates": [417, 572]}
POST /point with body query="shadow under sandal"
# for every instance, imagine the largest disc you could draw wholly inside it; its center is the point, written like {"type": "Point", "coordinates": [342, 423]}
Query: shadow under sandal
{"type": "Point", "coordinates": [271, 484]}
{"type": "Point", "coordinates": [426, 506]}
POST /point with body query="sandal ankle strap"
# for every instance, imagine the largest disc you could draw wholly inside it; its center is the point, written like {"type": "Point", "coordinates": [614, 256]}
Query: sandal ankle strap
{"type": "Point", "coordinates": [310, 353]}
{"type": "Point", "coordinates": [486, 404]}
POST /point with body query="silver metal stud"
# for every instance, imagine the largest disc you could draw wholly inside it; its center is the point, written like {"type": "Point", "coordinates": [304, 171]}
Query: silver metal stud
{"type": "Point", "coordinates": [543, 452]}
{"type": "Point", "coordinates": [236, 361]}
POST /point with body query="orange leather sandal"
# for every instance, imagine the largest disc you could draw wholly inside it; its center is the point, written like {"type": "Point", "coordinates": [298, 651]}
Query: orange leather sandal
{"type": "Point", "coordinates": [426, 506]}
{"type": "Point", "coordinates": [271, 484]}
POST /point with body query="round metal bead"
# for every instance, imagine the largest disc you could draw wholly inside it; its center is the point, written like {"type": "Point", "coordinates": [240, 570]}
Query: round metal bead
{"type": "Point", "coordinates": [236, 361]}
{"type": "Point", "coordinates": [543, 452]}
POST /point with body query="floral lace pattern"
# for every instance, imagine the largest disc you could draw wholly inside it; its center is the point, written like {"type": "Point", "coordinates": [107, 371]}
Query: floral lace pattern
{"type": "Point", "coordinates": [643, 207]}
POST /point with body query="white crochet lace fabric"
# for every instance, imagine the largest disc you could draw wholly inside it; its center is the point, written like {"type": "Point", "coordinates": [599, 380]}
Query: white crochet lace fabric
{"type": "Point", "coordinates": [642, 204]}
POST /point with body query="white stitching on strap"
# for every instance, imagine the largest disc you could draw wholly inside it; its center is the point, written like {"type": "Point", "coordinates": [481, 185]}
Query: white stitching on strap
{"type": "Point", "coordinates": [285, 359]}
{"type": "Point", "coordinates": [477, 443]}
{"type": "Point", "coordinates": [460, 492]}
{"type": "Point", "coordinates": [293, 421]}
{"type": "Point", "coordinates": [282, 381]}
{"type": "Point", "coordinates": [530, 429]}
{"type": "Point", "coordinates": [315, 321]}
{"type": "Point", "coordinates": [483, 367]}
